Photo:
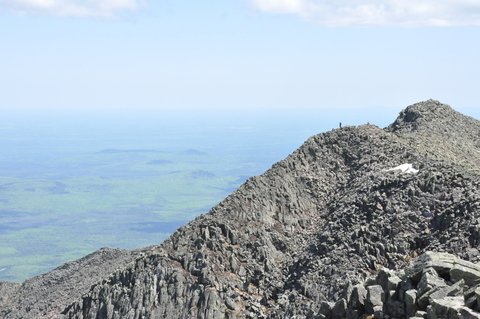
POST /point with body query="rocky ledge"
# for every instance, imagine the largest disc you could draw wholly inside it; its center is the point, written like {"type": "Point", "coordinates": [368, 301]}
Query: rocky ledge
{"type": "Point", "coordinates": [434, 286]}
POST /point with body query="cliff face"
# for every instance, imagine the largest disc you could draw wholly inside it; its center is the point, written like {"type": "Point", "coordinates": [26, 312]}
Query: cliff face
{"type": "Point", "coordinates": [333, 213]}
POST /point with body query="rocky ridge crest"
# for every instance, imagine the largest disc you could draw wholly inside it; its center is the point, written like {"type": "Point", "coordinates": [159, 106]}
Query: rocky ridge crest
{"type": "Point", "coordinates": [296, 239]}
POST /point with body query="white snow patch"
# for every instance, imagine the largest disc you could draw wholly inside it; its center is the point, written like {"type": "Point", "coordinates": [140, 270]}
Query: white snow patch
{"type": "Point", "coordinates": [404, 168]}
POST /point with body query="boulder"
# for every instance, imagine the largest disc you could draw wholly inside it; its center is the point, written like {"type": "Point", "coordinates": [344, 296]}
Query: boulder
{"type": "Point", "coordinates": [467, 271]}
{"type": "Point", "coordinates": [410, 302]}
{"type": "Point", "coordinates": [375, 298]}
{"type": "Point", "coordinates": [358, 297]}
{"type": "Point", "coordinates": [446, 308]}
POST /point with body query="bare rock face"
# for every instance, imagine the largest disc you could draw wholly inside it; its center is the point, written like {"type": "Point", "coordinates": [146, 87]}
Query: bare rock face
{"type": "Point", "coordinates": [311, 237]}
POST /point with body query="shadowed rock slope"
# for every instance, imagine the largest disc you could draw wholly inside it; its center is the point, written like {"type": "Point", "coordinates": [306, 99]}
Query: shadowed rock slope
{"type": "Point", "coordinates": [299, 236]}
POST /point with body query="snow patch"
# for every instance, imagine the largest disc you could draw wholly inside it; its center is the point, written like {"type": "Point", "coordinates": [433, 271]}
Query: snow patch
{"type": "Point", "coordinates": [404, 168]}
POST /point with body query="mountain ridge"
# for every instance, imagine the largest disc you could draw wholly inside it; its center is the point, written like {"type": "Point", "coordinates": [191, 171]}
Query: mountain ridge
{"type": "Point", "coordinates": [328, 216]}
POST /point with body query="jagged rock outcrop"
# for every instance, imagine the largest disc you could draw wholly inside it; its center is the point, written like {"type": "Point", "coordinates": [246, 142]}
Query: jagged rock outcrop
{"type": "Point", "coordinates": [435, 286]}
{"type": "Point", "coordinates": [295, 240]}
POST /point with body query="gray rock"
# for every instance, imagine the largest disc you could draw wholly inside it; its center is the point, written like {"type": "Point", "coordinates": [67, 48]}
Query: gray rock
{"type": "Point", "coordinates": [353, 314]}
{"type": "Point", "coordinates": [429, 281]}
{"type": "Point", "coordinates": [410, 302]}
{"type": "Point", "coordinates": [378, 312]}
{"type": "Point", "coordinates": [326, 308]}
{"type": "Point", "coordinates": [445, 263]}
{"type": "Point", "coordinates": [339, 309]}
{"type": "Point", "coordinates": [383, 278]}
{"type": "Point", "coordinates": [375, 298]}
{"type": "Point", "coordinates": [395, 309]}
{"type": "Point", "coordinates": [448, 307]}
{"type": "Point", "coordinates": [393, 283]}
{"type": "Point", "coordinates": [466, 313]}
{"type": "Point", "coordinates": [358, 297]}
{"type": "Point", "coordinates": [477, 297]}
{"type": "Point", "coordinates": [442, 292]}
{"type": "Point", "coordinates": [421, 314]}
{"type": "Point", "coordinates": [442, 263]}
{"type": "Point", "coordinates": [467, 271]}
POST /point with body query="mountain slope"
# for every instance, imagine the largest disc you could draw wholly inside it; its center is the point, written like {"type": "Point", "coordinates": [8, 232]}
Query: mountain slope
{"type": "Point", "coordinates": [330, 215]}
{"type": "Point", "coordinates": [45, 296]}
{"type": "Point", "coordinates": [437, 130]}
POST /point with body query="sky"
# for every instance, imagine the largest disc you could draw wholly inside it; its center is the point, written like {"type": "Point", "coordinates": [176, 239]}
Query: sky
{"type": "Point", "coordinates": [164, 55]}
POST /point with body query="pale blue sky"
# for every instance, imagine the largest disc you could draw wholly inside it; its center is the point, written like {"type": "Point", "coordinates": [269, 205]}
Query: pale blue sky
{"type": "Point", "coordinates": [238, 54]}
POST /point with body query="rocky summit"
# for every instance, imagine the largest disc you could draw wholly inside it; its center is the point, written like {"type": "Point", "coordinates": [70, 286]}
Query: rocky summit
{"type": "Point", "coordinates": [359, 222]}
